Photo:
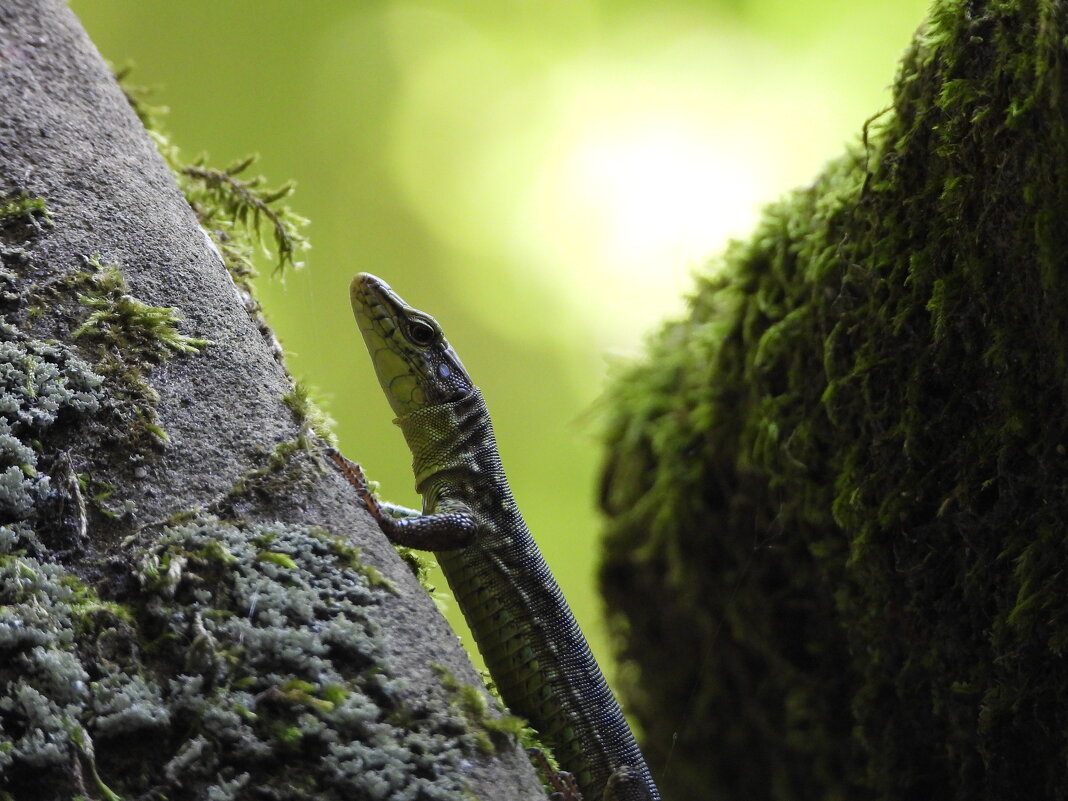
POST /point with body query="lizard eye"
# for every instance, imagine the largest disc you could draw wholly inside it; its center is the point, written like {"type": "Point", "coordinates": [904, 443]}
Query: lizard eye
{"type": "Point", "coordinates": [421, 333]}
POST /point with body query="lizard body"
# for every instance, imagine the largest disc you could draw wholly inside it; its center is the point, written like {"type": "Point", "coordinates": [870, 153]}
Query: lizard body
{"type": "Point", "coordinates": [524, 628]}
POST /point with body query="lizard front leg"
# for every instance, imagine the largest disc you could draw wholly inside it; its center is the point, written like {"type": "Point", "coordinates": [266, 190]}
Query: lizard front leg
{"type": "Point", "coordinates": [450, 526]}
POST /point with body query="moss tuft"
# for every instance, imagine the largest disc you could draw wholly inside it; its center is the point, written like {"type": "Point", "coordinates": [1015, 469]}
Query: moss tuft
{"type": "Point", "coordinates": [129, 339]}
{"type": "Point", "coordinates": [491, 733]}
{"type": "Point", "coordinates": [233, 210]}
{"type": "Point", "coordinates": [127, 325]}
{"type": "Point", "coordinates": [222, 198]}
{"type": "Point", "coordinates": [310, 414]}
{"type": "Point", "coordinates": [837, 487]}
{"type": "Point", "coordinates": [23, 211]}
{"type": "Point", "coordinates": [276, 558]}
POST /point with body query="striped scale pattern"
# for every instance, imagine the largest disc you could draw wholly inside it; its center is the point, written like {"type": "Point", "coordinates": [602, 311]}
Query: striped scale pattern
{"type": "Point", "coordinates": [524, 628]}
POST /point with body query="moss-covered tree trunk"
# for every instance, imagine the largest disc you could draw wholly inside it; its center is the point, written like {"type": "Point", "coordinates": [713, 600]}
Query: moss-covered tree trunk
{"type": "Point", "coordinates": [839, 487]}
{"type": "Point", "coordinates": [192, 603]}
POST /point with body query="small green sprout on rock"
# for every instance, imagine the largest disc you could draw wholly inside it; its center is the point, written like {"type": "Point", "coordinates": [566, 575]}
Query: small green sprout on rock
{"type": "Point", "coordinates": [125, 323]}
{"type": "Point", "coordinates": [131, 338]}
{"type": "Point", "coordinates": [240, 215]}
{"type": "Point", "coordinates": [491, 733]}
{"type": "Point", "coordinates": [309, 414]}
{"type": "Point", "coordinates": [81, 740]}
{"type": "Point", "coordinates": [23, 211]}
{"type": "Point", "coordinates": [223, 201]}
{"type": "Point", "coordinates": [276, 558]}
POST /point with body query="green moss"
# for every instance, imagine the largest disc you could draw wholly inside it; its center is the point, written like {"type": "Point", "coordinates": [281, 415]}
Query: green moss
{"type": "Point", "coordinates": [422, 566]}
{"type": "Point", "coordinates": [272, 475]}
{"type": "Point", "coordinates": [122, 322]}
{"type": "Point", "coordinates": [284, 451]}
{"type": "Point", "coordinates": [309, 414]}
{"type": "Point", "coordinates": [352, 556]}
{"type": "Point", "coordinates": [225, 201]}
{"type": "Point", "coordinates": [297, 691]}
{"type": "Point", "coordinates": [837, 487]}
{"type": "Point", "coordinates": [216, 550]}
{"type": "Point", "coordinates": [89, 612]}
{"type": "Point", "coordinates": [234, 210]}
{"type": "Point", "coordinates": [100, 496]}
{"type": "Point", "coordinates": [280, 559]}
{"type": "Point", "coordinates": [183, 517]}
{"type": "Point", "coordinates": [129, 339]}
{"type": "Point", "coordinates": [492, 732]}
{"type": "Point", "coordinates": [24, 210]}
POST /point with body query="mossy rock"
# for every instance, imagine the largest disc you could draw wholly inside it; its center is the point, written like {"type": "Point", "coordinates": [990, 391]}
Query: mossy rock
{"type": "Point", "coordinates": [838, 488]}
{"type": "Point", "coordinates": [221, 675]}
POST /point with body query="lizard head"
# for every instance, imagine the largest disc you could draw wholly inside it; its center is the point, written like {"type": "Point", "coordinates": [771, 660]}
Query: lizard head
{"type": "Point", "coordinates": [415, 364]}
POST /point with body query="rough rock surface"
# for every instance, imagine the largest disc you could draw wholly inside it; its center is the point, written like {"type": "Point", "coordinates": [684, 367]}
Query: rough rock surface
{"type": "Point", "coordinates": [184, 611]}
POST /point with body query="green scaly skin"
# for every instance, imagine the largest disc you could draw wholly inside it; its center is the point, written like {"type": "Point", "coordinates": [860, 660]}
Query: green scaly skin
{"type": "Point", "coordinates": [525, 631]}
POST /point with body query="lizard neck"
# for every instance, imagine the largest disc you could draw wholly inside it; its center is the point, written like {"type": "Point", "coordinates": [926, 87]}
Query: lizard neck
{"type": "Point", "coordinates": [449, 438]}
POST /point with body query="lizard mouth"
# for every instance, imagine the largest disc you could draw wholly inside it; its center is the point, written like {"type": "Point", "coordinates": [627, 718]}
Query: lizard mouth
{"type": "Point", "coordinates": [376, 305]}
{"type": "Point", "coordinates": [371, 285]}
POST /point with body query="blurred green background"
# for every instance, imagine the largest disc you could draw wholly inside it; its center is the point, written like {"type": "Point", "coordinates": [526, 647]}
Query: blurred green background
{"type": "Point", "coordinates": [540, 176]}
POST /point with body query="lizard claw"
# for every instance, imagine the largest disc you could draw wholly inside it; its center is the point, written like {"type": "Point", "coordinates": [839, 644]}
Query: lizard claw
{"type": "Point", "coordinates": [353, 473]}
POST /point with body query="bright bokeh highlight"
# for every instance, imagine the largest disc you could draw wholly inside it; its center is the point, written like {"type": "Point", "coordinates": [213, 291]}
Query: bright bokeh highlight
{"type": "Point", "coordinates": [541, 177]}
{"type": "Point", "coordinates": [613, 168]}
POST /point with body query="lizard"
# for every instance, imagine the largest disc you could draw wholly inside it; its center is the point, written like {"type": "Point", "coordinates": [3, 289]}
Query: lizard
{"type": "Point", "coordinates": [522, 625]}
